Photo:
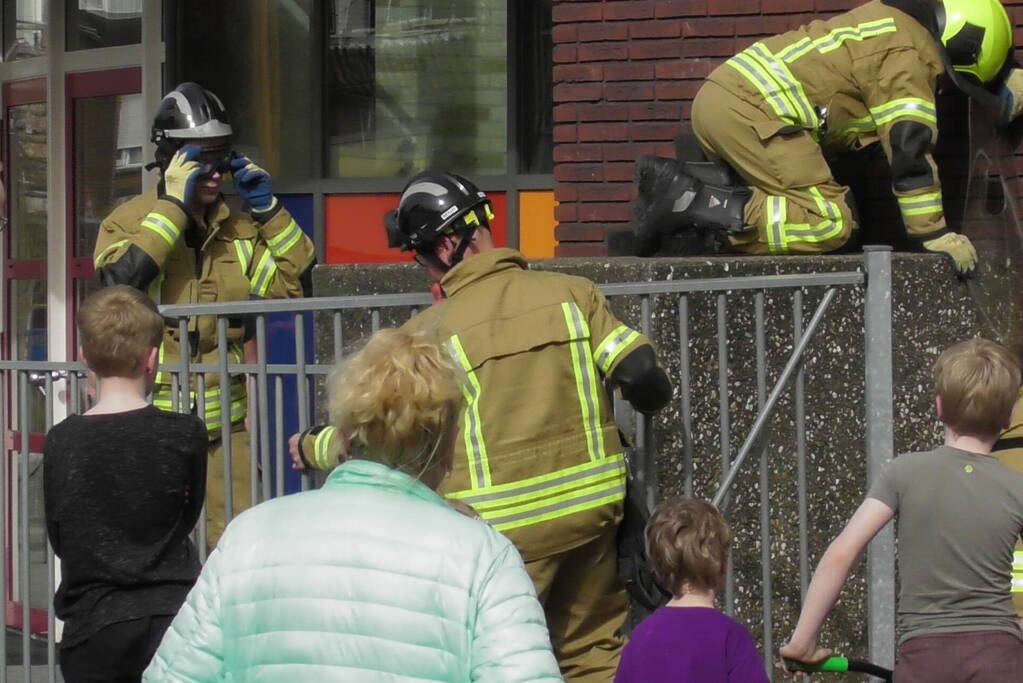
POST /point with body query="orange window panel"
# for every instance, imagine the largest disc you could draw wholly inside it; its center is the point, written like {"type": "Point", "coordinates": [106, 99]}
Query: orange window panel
{"type": "Point", "coordinates": [354, 227]}
{"type": "Point", "coordinates": [536, 224]}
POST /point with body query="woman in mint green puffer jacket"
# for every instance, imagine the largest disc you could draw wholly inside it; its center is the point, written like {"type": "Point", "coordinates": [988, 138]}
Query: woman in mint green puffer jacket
{"type": "Point", "coordinates": [373, 577]}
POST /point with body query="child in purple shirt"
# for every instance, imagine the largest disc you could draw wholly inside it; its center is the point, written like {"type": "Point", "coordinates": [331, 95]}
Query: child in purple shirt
{"type": "Point", "coordinates": [689, 640]}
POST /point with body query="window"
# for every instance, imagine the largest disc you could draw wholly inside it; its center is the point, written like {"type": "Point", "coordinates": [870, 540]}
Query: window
{"type": "Point", "coordinates": [535, 86]}
{"type": "Point", "coordinates": [260, 63]}
{"type": "Point", "coordinates": [26, 36]}
{"type": "Point", "coordinates": [412, 84]}
{"type": "Point", "coordinates": [103, 23]}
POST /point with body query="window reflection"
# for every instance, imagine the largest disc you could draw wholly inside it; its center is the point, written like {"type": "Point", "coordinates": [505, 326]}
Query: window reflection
{"type": "Point", "coordinates": [416, 84]}
{"type": "Point", "coordinates": [257, 57]}
{"type": "Point", "coordinates": [109, 132]}
{"type": "Point", "coordinates": [30, 34]}
{"type": "Point", "coordinates": [27, 188]}
{"type": "Point", "coordinates": [103, 23]}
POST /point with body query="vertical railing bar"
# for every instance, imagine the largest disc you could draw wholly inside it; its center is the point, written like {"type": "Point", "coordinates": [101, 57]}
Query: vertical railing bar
{"type": "Point", "coordinates": [301, 384]}
{"type": "Point", "coordinates": [51, 650]}
{"type": "Point", "coordinates": [279, 431]}
{"type": "Point", "coordinates": [184, 404]}
{"type": "Point", "coordinates": [726, 435]}
{"type": "Point", "coordinates": [263, 407]}
{"type": "Point", "coordinates": [644, 425]}
{"type": "Point", "coordinates": [338, 337]}
{"type": "Point", "coordinates": [767, 587]}
{"type": "Point", "coordinates": [225, 418]}
{"type": "Point", "coordinates": [800, 420]}
{"type": "Point", "coordinates": [24, 581]}
{"type": "Point", "coordinates": [8, 381]}
{"type": "Point", "coordinates": [200, 407]}
{"type": "Point", "coordinates": [684, 381]}
{"type": "Point", "coordinates": [374, 317]}
{"type": "Point", "coordinates": [880, 445]}
{"type": "Point", "coordinates": [721, 497]}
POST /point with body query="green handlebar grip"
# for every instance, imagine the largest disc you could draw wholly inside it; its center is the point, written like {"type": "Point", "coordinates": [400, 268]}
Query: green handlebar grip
{"type": "Point", "coordinates": [831, 664]}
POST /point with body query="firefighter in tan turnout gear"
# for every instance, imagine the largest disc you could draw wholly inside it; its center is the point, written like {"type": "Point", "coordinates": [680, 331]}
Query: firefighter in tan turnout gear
{"type": "Point", "coordinates": [539, 456]}
{"type": "Point", "coordinates": [182, 244]}
{"type": "Point", "coordinates": [772, 112]}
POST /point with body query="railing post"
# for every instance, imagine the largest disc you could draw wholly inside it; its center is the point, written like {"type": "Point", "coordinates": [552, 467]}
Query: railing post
{"type": "Point", "coordinates": [880, 443]}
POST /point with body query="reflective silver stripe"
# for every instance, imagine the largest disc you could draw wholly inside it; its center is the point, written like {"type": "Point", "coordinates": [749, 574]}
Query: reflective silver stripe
{"type": "Point", "coordinates": [475, 446]}
{"type": "Point", "coordinates": [610, 465]}
{"type": "Point", "coordinates": [586, 378]}
{"type": "Point", "coordinates": [808, 116]}
{"type": "Point", "coordinates": [910, 203]}
{"type": "Point", "coordinates": [244, 250]}
{"type": "Point", "coordinates": [609, 349]}
{"type": "Point", "coordinates": [751, 70]}
{"type": "Point", "coordinates": [618, 489]}
{"type": "Point", "coordinates": [284, 240]}
{"type": "Point", "coordinates": [908, 106]}
{"type": "Point", "coordinates": [165, 229]}
{"type": "Point", "coordinates": [264, 272]}
{"type": "Point", "coordinates": [776, 242]}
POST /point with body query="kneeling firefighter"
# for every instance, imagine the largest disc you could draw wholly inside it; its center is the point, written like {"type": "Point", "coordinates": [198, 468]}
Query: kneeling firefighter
{"type": "Point", "coordinates": [772, 112]}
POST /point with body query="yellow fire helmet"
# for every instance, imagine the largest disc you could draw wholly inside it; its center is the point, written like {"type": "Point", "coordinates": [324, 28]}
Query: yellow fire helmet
{"type": "Point", "coordinates": [977, 35]}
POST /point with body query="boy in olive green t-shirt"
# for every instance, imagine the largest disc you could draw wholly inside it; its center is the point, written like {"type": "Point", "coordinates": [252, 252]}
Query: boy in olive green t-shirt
{"type": "Point", "coordinates": [960, 512]}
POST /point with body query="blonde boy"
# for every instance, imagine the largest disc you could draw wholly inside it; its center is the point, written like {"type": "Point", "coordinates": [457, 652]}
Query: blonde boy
{"type": "Point", "coordinates": [123, 485]}
{"type": "Point", "coordinates": [959, 512]}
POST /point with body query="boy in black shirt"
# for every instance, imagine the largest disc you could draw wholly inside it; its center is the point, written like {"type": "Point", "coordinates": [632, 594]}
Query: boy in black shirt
{"type": "Point", "coordinates": [123, 485]}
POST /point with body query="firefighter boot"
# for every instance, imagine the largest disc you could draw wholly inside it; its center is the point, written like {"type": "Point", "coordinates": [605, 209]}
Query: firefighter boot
{"type": "Point", "coordinates": [671, 201]}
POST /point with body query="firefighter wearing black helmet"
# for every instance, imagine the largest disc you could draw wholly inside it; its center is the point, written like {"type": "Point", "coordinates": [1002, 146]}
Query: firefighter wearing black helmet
{"type": "Point", "coordinates": [539, 456]}
{"type": "Point", "coordinates": [182, 244]}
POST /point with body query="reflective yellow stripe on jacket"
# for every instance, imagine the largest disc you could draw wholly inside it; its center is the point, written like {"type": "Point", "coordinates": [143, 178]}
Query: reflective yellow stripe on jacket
{"type": "Point", "coordinates": [834, 39]}
{"type": "Point", "coordinates": [921, 205]}
{"type": "Point", "coordinates": [475, 446]}
{"type": "Point", "coordinates": [772, 78]}
{"type": "Point", "coordinates": [164, 400]}
{"type": "Point", "coordinates": [586, 380]}
{"type": "Point", "coordinates": [1017, 571]}
{"type": "Point", "coordinates": [597, 482]}
{"type": "Point", "coordinates": [549, 496]}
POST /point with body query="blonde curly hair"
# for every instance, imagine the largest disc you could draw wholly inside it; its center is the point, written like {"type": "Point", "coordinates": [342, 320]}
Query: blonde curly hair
{"type": "Point", "coordinates": [397, 400]}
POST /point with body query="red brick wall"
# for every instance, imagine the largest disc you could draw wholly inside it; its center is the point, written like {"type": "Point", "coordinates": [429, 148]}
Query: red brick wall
{"type": "Point", "coordinates": [625, 73]}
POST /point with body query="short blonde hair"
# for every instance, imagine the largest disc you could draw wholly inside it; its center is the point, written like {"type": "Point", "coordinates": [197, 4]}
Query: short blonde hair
{"type": "Point", "coordinates": [117, 325]}
{"type": "Point", "coordinates": [397, 400]}
{"type": "Point", "coordinates": [687, 543]}
{"type": "Point", "coordinates": [978, 382]}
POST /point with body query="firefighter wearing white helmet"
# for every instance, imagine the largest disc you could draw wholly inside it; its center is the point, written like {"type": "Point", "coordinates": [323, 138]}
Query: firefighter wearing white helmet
{"type": "Point", "coordinates": [182, 244]}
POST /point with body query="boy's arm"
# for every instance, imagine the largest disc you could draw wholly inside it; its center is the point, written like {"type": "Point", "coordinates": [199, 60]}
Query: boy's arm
{"type": "Point", "coordinates": [199, 448]}
{"type": "Point", "coordinates": [51, 494]}
{"type": "Point", "coordinates": [832, 572]}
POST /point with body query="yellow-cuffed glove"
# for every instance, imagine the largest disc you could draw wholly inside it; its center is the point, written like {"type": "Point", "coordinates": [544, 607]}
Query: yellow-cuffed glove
{"type": "Point", "coordinates": [180, 176]}
{"type": "Point", "coordinates": [1011, 96]}
{"type": "Point", "coordinates": [958, 248]}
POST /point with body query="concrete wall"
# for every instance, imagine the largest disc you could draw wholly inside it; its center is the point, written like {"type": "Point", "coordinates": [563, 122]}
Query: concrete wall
{"type": "Point", "coordinates": [924, 324]}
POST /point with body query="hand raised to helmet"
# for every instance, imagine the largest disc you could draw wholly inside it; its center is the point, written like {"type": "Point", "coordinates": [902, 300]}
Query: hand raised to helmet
{"type": "Point", "coordinates": [252, 183]}
{"type": "Point", "coordinates": [181, 174]}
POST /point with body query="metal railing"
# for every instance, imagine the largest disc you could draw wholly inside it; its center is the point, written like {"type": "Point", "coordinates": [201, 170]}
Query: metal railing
{"type": "Point", "coordinates": [670, 312]}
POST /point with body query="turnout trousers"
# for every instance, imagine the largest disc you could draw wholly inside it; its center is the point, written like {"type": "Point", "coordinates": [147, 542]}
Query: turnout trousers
{"type": "Point", "coordinates": [585, 605]}
{"type": "Point", "coordinates": [216, 491]}
{"type": "Point", "coordinates": [797, 207]}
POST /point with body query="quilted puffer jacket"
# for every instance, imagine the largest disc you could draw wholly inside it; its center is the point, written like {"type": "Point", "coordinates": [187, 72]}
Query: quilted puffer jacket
{"type": "Point", "coordinates": [371, 578]}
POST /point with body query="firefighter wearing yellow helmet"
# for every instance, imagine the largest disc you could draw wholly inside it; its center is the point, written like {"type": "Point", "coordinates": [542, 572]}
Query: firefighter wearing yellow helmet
{"type": "Point", "coordinates": [774, 111]}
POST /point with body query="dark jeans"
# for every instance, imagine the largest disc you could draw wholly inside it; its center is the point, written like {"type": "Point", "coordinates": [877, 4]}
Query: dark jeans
{"type": "Point", "coordinates": [975, 657]}
{"type": "Point", "coordinates": [118, 653]}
